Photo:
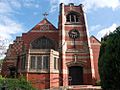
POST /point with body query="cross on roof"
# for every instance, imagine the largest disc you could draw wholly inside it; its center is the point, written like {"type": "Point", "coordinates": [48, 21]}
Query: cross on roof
{"type": "Point", "coordinates": [45, 14]}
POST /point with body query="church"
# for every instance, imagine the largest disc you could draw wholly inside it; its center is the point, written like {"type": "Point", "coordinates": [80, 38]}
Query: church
{"type": "Point", "coordinates": [50, 56]}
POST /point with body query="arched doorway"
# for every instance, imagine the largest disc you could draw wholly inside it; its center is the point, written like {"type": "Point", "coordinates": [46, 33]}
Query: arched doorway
{"type": "Point", "coordinates": [75, 75]}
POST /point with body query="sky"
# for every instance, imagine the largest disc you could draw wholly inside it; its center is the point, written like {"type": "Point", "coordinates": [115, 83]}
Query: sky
{"type": "Point", "coordinates": [19, 16]}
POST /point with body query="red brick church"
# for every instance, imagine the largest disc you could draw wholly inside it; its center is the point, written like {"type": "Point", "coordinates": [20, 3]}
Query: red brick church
{"type": "Point", "coordinates": [51, 57]}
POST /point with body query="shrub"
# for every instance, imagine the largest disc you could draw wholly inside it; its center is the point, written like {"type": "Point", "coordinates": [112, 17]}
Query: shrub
{"type": "Point", "coordinates": [15, 84]}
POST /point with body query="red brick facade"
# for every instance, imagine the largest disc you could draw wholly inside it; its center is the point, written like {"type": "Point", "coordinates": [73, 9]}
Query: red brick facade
{"type": "Point", "coordinates": [49, 57]}
{"type": "Point", "coordinates": [95, 46]}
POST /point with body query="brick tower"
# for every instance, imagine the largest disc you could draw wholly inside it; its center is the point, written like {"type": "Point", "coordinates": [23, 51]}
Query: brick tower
{"type": "Point", "coordinates": [75, 47]}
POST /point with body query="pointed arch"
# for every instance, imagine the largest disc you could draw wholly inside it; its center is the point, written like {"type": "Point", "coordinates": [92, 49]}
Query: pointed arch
{"type": "Point", "coordinates": [73, 17]}
{"type": "Point", "coordinates": [43, 43]}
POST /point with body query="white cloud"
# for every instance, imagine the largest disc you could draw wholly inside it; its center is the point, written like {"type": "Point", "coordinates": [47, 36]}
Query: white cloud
{"type": "Point", "coordinates": [30, 3]}
{"type": "Point", "coordinates": [9, 27]}
{"type": "Point", "coordinates": [5, 8]}
{"type": "Point", "coordinates": [88, 4]}
{"type": "Point", "coordinates": [94, 4]}
{"type": "Point", "coordinates": [107, 30]}
{"type": "Point", "coordinates": [94, 28]}
{"type": "Point", "coordinates": [15, 3]}
{"type": "Point", "coordinates": [55, 3]}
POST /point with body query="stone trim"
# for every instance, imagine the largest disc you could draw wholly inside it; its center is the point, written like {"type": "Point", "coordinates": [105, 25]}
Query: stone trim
{"type": "Point", "coordinates": [76, 63]}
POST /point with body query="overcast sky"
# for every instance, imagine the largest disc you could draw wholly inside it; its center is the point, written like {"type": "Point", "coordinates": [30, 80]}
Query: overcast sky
{"type": "Point", "coordinates": [18, 16]}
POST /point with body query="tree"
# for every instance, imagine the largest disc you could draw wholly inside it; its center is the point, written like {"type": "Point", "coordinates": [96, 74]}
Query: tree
{"type": "Point", "coordinates": [3, 47]}
{"type": "Point", "coordinates": [109, 61]}
{"type": "Point", "coordinates": [1, 61]}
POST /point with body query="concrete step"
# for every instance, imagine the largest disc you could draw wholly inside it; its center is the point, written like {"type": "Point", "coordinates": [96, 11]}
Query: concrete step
{"type": "Point", "coordinates": [77, 87]}
{"type": "Point", "coordinates": [84, 87]}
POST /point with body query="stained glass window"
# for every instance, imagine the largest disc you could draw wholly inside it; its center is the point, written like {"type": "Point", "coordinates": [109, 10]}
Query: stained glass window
{"type": "Point", "coordinates": [33, 61]}
{"type": "Point", "coordinates": [39, 62]}
{"type": "Point", "coordinates": [43, 43]}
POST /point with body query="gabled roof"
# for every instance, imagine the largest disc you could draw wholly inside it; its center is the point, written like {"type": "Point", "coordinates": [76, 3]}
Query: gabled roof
{"type": "Point", "coordinates": [95, 38]}
{"type": "Point", "coordinates": [44, 25]}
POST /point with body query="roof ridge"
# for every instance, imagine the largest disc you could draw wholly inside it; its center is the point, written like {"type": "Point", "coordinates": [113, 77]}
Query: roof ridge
{"type": "Point", "coordinates": [43, 22]}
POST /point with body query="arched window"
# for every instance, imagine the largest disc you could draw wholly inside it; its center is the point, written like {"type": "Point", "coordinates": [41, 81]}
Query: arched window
{"type": "Point", "coordinates": [72, 17]}
{"type": "Point", "coordinates": [43, 43]}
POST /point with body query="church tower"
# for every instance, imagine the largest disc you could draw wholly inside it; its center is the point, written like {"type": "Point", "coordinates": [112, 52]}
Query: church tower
{"type": "Point", "coordinates": [75, 47]}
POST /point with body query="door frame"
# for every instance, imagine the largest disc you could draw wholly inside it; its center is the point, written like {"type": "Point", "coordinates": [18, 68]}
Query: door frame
{"type": "Point", "coordinates": [75, 72]}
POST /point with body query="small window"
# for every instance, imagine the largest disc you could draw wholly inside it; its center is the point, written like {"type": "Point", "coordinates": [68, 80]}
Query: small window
{"type": "Point", "coordinates": [45, 62]}
{"type": "Point", "coordinates": [23, 61]}
{"type": "Point", "coordinates": [77, 19]}
{"type": "Point", "coordinates": [32, 64]}
{"type": "Point", "coordinates": [68, 18]}
{"type": "Point", "coordinates": [55, 63]}
{"type": "Point", "coordinates": [72, 18]}
{"type": "Point", "coordinates": [39, 62]}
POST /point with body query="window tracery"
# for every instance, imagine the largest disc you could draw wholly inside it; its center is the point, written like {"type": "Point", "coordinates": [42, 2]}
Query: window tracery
{"type": "Point", "coordinates": [43, 43]}
{"type": "Point", "coordinates": [39, 62]}
{"type": "Point", "coordinates": [72, 17]}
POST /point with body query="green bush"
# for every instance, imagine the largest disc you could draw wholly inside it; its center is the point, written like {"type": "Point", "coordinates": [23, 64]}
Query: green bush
{"type": "Point", "coordinates": [13, 84]}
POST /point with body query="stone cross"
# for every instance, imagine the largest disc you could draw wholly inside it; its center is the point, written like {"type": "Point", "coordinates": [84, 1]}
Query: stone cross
{"type": "Point", "coordinates": [45, 14]}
